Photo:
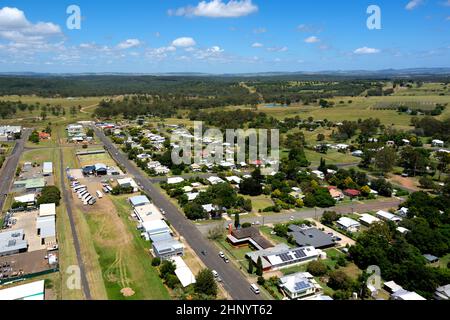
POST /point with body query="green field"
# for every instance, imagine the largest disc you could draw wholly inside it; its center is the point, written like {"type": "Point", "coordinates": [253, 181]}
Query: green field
{"type": "Point", "coordinates": [125, 263]}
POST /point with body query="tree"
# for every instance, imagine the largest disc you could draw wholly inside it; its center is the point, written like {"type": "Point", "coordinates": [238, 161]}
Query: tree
{"type": "Point", "coordinates": [206, 284]}
{"type": "Point", "coordinates": [237, 222]}
{"type": "Point", "coordinates": [195, 211]}
{"type": "Point", "coordinates": [415, 159]}
{"type": "Point", "coordinates": [167, 267]}
{"type": "Point", "coordinates": [339, 280]}
{"type": "Point", "coordinates": [385, 159]}
{"type": "Point", "coordinates": [216, 233]}
{"type": "Point", "coordinates": [250, 266]}
{"type": "Point", "coordinates": [383, 187]}
{"type": "Point", "coordinates": [156, 262]}
{"type": "Point", "coordinates": [317, 268]}
{"type": "Point", "coordinates": [329, 217]}
{"type": "Point", "coordinates": [34, 137]}
{"type": "Point", "coordinates": [49, 194]}
{"type": "Point", "coordinates": [259, 267]}
{"type": "Point", "coordinates": [250, 187]}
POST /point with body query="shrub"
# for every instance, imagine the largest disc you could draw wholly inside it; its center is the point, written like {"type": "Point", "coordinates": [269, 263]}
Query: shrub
{"type": "Point", "coordinates": [317, 268]}
{"type": "Point", "coordinates": [261, 281]}
{"type": "Point", "coordinates": [156, 262]}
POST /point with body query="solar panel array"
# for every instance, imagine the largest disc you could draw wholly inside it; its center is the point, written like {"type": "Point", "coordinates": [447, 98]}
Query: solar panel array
{"type": "Point", "coordinates": [292, 255]}
{"type": "Point", "coordinates": [299, 254]}
{"type": "Point", "coordinates": [299, 286]}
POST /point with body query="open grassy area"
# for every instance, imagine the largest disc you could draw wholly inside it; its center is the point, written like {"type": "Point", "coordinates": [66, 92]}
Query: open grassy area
{"type": "Point", "coordinates": [266, 231]}
{"type": "Point", "coordinates": [123, 256]}
{"type": "Point", "coordinates": [260, 202]}
{"type": "Point", "coordinates": [96, 158]}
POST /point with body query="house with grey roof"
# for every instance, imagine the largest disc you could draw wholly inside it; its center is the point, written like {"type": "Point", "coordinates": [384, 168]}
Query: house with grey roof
{"type": "Point", "coordinates": [305, 237]}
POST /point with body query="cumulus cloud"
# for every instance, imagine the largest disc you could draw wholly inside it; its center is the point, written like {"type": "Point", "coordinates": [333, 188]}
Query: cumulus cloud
{"type": "Point", "coordinates": [277, 49]}
{"type": "Point", "coordinates": [129, 43]}
{"type": "Point", "coordinates": [413, 4]}
{"type": "Point", "coordinates": [366, 50]}
{"type": "Point", "coordinates": [217, 9]}
{"type": "Point", "coordinates": [312, 39]}
{"type": "Point", "coordinates": [15, 27]}
{"type": "Point", "coordinates": [257, 45]}
{"type": "Point", "coordinates": [184, 42]}
{"type": "Point", "coordinates": [308, 28]}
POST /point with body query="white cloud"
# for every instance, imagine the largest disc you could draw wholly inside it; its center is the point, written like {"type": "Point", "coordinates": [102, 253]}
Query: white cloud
{"type": "Point", "coordinates": [448, 18]}
{"type": "Point", "coordinates": [217, 9]}
{"type": "Point", "coordinates": [312, 39]}
{"type": "Point", "coordinates": [184, 42]}
{"type": "Point", "coordinates": [366, 50]}
{"type": "Point", "coordinates": [260, 30]}
{"type": "Point", "coordinates": [308, 28]}
{"type": "Point", "coordinates": [257, 45]}
{"type": "Point", "coordinates": [413, 4]}
{"type": "Point", "coordinates": [277, 49]}
{"type": "Point", "coordinates": [14, 26]}
{"type": "Point", "coordinates": [130, 43]}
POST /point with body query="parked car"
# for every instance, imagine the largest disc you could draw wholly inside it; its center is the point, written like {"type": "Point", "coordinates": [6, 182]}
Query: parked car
{"type": "Point", "coordinates": [221, 255]}
{"type": "Point", "coordinates": [215, 274]}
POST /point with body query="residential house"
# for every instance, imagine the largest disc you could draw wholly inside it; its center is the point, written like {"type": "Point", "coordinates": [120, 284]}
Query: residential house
{"type": "Point", "coordinates": [215, 180]}
{"type": "Point", "coordinates": [128, 183]}
{"type": "Point", "coordinates": [336, 194]}
{"type": "Point", "coordinates": [311, 237]}
{"type": "Point", "coordinates": [246, 236]}
{"type": "Point", "coordinates": [438, 143]}
{"type": "Point", "coordinates": [368, 219]}
{"type": "Point", "coordinates": [348, 224]}
{"type": "Point", "coordinates": [175, 180]}
{"type": "Point", "coordinates": [387, 216]}
{"type": "Point", "coordinates": [352, 193]}
{"type": "Point", "coordinates": [405, 295]}
{"type": "Point", "coordinates": [282, 256]}
{"type": "Point", "coordinates": [442, 293]}
{"type": "Point", "coordinates": [299, 285]}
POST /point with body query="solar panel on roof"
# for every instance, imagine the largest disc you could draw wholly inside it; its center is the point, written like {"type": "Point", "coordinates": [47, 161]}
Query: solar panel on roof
{"type": "Point", "coordinates": [301, 286]}
{"type": "Point", "coordinates": [299, 254]}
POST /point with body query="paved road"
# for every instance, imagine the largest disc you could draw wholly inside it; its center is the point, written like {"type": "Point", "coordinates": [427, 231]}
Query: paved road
{"type": "Point", "coordinates": [311, 213]}
{"type": "Point", "coordinates": [8, 172]}
{"type": "Point", "coordinates": [76, 241]}
{"type": "Point", "coordinates": [233, 280]}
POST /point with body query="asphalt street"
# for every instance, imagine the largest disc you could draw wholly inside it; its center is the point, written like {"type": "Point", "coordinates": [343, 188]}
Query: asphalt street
{"type": "Point", "coordinates": [233, 280]}
{"type": "Point", "coordinates": [311, 213]}
{"type": "Point", "coordinates": [76, 241]}
{"type": "Point", "coordinates": [9, 168]}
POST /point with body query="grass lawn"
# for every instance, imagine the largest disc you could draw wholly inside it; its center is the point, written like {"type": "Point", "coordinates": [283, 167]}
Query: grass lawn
{"type": "Point", "coordinates": [260, 202]}
{"type": "Point", "coordinates": [294, 269]}
{"type": "Point", "coordinates": [273, 237]}
{"type": "Point", "coordinates": [126, 263]}
{"type": "Point", "coordinates": [96, 158]}
{"type": "Point", "coordinates": [332, 157]}
{"type": "Point", "coordinates": [39, 156]}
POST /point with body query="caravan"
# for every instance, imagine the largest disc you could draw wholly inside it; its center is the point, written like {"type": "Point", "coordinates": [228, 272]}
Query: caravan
{"type": "Point", "coordinates": [99, 194]}
{"type": "Point", "coordinates": [76, 189]}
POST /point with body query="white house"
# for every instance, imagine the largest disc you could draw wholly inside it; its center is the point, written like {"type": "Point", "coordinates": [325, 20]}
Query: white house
{"type": "Point", "coordinates": [215, 180]}
{"type": "Point", "coordinates": [234, 179]}
{"type": "Point", "coordinates": [128, 183]}
{"type": "Point", "coordinates": [348, 224]}
{"type": "Point", "coordinates": [175, 180]}
{"type": "Point", "coordinates": [437, 143]}
{"type": "Point", "coordinates": [403, 212]}
{"type": "Point", "coordinates": [299, 285]}
{"type": "Point", "coordinates": [318, 174]}
{"type": "Point", "coordinates": [367, 219]}
{"type": "Point", "coordinates": [386, 216]}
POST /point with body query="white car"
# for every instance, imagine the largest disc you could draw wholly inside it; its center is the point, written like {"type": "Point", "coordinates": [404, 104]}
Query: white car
{"type": "Point", "coordinates": [215, 274]}
{"type": "Point", "coordinates": [222, 255]}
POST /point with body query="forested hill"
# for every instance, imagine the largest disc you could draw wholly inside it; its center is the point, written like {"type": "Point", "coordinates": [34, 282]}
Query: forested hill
{"type": "Point", "coordinates": [182, 85]}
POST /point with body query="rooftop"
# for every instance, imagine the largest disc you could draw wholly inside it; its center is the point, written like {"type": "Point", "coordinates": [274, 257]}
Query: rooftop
{"type": "Point", "coordinates": [311, 237]}
{"type": "Point", "coordinates": [254, 234]}
{"type": "Point", "coordinates": [12, 241]}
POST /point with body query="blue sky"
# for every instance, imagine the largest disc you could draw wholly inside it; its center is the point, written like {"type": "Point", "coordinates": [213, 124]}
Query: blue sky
{"type": "Point", "coordinates": [222, 36]}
